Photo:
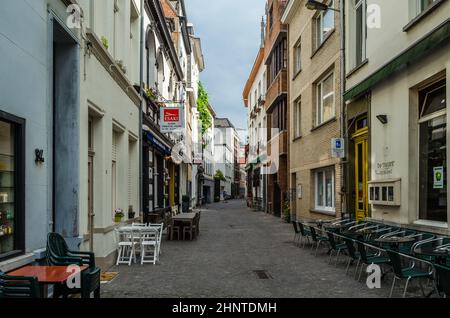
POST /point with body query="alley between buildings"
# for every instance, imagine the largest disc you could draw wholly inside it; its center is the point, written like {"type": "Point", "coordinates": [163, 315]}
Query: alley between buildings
{"type": "Point", "coordinates": [235, 242]}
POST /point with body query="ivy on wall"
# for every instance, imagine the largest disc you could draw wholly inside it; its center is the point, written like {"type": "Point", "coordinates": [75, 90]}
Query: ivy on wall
{"type": "Point", "coordinates": [202, 107]}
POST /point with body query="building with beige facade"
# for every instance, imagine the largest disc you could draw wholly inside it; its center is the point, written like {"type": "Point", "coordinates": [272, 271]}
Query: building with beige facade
{"type": "Point", "coordinates": [397, 95]}
{"type": "Point", "coordinates": [314, 108]}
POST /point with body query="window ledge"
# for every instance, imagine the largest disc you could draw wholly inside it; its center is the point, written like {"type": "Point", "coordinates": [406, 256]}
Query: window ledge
{"type": "Point", "coordinates": [441, 225]}
{"type": "Point", "coordinates": [17, 262]}
{"type": "Point", "coordinates": [296, 75]}
{"type": "Point", "coordinates": [329, 121]}
{"type": "Point", "coordinates": [357, 68]}
{"type": "Point", "coordinates": [297, 139]}
{"type": "Point", "coordinates": [421, 16]}
{"type": "Point", "coordinates": [318, 211]}
{"type": "Point", "coordinates": [323, 43]}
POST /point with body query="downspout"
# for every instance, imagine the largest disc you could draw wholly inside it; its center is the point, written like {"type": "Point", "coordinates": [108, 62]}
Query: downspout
{"type": "Point", "coordinates": [344, 161]}
{"type": "Point", "coordinates": [141, 92]}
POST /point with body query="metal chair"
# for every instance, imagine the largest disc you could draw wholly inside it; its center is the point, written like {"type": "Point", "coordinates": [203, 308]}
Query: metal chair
{"type": "Point", "coordinates": [369, 259]}
{"type": "Point", "coordinates": [336, 248]}
{"type": "Point", "coordinates": [408, 273]}
{"type": "Point", "coordinates": [317, 238]}
{"type": "Point", "coordinates": [126, 247]}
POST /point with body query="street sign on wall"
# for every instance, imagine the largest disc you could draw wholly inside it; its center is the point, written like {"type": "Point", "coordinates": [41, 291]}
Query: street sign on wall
{"type": "Point", "coordinates": [172, 119]}
{"type": "Point", "coordinates": [337, 148]}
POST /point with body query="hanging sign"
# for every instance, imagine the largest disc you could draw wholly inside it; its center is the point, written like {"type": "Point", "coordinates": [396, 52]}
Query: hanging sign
{"type": "Point", "coordinates": [172, 119]}
{"type": "Point", "coordinates": [438, 177]}
{"type": "Point", "coordinates": [337, 148]}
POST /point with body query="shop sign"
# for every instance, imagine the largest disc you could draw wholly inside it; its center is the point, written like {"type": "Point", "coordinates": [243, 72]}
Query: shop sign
{"type": "Point", "coordinates": [438, 177]}
{"type": "Point", "coordinates": [172, 119]}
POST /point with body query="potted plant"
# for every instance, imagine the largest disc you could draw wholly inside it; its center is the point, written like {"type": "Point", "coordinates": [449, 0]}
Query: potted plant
{"type": "Point", "coordinates": [118, 215]}
{"type": "Point", "coordinates": [131, 213]}
{"type": "Point", "coordinates": [185, 203]}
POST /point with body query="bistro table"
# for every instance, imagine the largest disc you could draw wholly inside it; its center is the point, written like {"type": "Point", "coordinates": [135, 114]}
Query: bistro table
{"type": "Point", "coordinates": [439, 254]}
{"type": "Point", "coordinates": [48, 275]}
{"type": "Point", "coordinates": [395, 241]}
{"type": "Point", "coordinates": [187, 219]}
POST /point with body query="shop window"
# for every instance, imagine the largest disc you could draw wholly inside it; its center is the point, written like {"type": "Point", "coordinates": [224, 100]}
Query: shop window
{"type": "Point", "coordinates": [433, 153]}
{"type": "Point", "coordinates": [12, 229]}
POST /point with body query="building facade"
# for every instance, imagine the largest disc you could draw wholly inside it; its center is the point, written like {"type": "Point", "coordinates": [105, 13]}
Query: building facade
{"type": "Point", "coordinates": [397, 112]}
{"type": "Point", "coordinates": [314, 108]}
{"type": "Point", "coordinates": [224, 154]}
{"type": "Point", "coordinates": [275, 59]}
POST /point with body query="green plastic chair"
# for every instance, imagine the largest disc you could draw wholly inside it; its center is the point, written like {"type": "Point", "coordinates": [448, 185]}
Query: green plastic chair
{"type": "Point", "coordinates": [443, 279]}
{"type": "Point", "coordinates": [58, 254]}
{"type": "Point", "coordinates": [318, 239]}
{"type": "Point", "coordinates": [18, 287]}
{"type": "Point", "coordinates": [305, 234]}
{"type": "Point", "coordinates": [408, 273]}
{"type": "Point", "coordinates": [369, 259]}
{"type": "Point", "coordinates": [335, 248]}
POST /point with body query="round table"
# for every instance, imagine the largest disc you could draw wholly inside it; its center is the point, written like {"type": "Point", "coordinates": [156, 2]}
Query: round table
{"type": "Point", "coordinates": [440, 255]}
{"type": "Point", "coordinates": [395, 241]}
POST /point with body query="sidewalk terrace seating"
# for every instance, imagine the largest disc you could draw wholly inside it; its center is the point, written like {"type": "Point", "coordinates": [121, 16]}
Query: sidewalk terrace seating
{"type": "Point", "coordinates": [58, 254]}
{"type": "Point", "coordinates": [18, 287]}
{"type": "Point", "coordinates": [408, 255]}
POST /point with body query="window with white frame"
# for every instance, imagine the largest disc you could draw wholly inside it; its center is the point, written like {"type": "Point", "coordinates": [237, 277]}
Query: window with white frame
{"type": "Point", "coordinates": [297, 118]}
{"type": "Point", "coordinates": [324, 24]}
{"type": "Point", "coordinates": [325, 105]}
{"type": "Point", "coordinates": [297, 57]}
{"type": "Point", "coordinates": [360, 31]}
{"type": "Point", "coordinates": [324, 190]}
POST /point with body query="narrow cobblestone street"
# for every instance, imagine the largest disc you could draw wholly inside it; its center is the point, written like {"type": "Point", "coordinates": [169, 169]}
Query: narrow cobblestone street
{"type": "Point", "coordinates": [234, 242]}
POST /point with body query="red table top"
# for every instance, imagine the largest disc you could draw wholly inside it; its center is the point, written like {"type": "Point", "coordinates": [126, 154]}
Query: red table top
{"type": "Point", "coordinates": [48, 274]}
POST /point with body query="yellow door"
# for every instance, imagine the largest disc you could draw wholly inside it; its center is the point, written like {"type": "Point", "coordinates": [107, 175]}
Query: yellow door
{"type": "Point", "coordinates": [360, 139]}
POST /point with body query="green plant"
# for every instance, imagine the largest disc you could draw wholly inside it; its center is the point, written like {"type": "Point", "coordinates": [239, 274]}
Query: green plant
{"type": "Point", "coordinates": [219, 176]}
{"type": "Point", "coordinates": [151, 94]}
{"type": "Point", "coordinates": [105, 42]}
{"type": "Point", "coordinates": [287, 212]}
{"type": "Point", "coordinates": [202, 107]}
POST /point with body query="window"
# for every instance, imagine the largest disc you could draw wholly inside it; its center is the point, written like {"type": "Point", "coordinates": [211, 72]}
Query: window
{"type": "Point", "coordinates": [297, 58]}
{"type": "Point", "coordinates": [114, 173]}
{"type": "Point", "coordinates": [277, 61]}
{"type": "Point", "coordinates": [433, 153]}
{"type": "Point", "coordinates": [424, 5]}
{"type": "Point", "coordinates": [271, 17]}
{"type": "Point", "coordinates": [324, 190]}
{"type": "Point", "coordinates": [324, 24]}
{"type": "Point", "coordinates": [360, 31]}
{"type": "Point", "coordinates": [297, 118]}
{"type": "Point", "coordinates": [12, 230]}
{"type": "Point", "coordinates": [325, 109]}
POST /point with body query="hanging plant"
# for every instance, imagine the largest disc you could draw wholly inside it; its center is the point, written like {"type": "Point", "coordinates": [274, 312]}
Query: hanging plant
{"type": "Point", "coordinates": [105, 42]}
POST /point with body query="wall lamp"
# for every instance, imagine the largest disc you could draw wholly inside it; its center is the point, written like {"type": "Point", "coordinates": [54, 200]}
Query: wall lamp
{"type": "Point", "coordinates": [383, 119]}
{"type": "Point", "coordinates": [317, 5]}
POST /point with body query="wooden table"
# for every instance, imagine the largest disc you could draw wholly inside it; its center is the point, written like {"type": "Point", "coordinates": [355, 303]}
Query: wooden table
{"type": "Point", "coordinates": [48, 275]}
{"type": "Point", "coordinates": [187, 218]}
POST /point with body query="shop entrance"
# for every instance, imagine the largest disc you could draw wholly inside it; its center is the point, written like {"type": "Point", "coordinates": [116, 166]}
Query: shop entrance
{"type": "Point", "coordinates": [361, 142]}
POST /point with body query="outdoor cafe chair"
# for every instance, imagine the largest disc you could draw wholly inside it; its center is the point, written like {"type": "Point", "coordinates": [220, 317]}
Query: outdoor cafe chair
{"type": "Point", "coordinates": [432, 242]}
{"type": "Point", "coordinates": [160, 227]}
{"type": "Point", "coordinates": [58, 254]}
{"type": "Point", "coordinates": [408, 273]}
{"type": "Point", "coordinates": [126, 247]}
{"type": "Point", "coordinates": [353, 255]}
{"type": "Point", "coordinates": [335, 247]}
{"type": "Point", "coordinates": [317, 238]}
{"type": "Point", "coordinates": [191, 229]}
{"type": "Point", "coordinates": [297, 234]}
{"type": "Point", "coordinates": [442, 279]}
{"type": "Point", "coordinates": [370, 259]}
{"type": "Point", "coordinates": [304, 233]}
{"type": "Point", "coordinates": [149, 245]}
{"type": "Point", "coordinates": [18, 287]}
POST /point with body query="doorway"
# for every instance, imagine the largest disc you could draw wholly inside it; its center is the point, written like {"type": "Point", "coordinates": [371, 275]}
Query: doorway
{"type": "Point", "coordinates": [361, 142]}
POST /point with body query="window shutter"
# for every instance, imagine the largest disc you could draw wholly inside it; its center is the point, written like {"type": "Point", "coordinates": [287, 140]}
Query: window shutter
{"type": "Point", "coordinates": [114, 146]}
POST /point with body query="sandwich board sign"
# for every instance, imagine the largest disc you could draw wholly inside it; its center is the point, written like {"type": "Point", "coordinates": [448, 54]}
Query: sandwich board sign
{"type": "Point", "coordinates": [172, 119]}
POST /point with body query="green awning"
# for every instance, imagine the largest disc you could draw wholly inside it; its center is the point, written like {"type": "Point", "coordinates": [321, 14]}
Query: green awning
{"type": "Point", "coordinates": [438, 37]}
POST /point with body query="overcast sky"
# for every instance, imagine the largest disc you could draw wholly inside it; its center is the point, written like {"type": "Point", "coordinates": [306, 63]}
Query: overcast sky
{"type": "Point", "coordinates": [230, 32]}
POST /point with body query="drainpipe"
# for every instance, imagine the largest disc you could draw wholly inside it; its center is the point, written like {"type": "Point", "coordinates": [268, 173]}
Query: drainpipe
{"type": "Point", "coordinates": [343, 123]}
{"type": "Point", "coordinates": [141, 92]}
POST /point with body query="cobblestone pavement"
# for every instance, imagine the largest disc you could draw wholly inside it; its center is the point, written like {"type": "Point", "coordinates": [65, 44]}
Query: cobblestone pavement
{"type": "Point", "coordinates": [234, 242]}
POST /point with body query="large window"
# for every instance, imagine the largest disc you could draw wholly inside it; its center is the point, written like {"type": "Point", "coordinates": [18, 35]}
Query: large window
{"type": "Point", "coordinates": [325, 106]}
{"type": "Point", "coordinates": [277, 61]}
{"type": "Point", "coordinates": [12, 229]}
{"type": "Point", "coordinates": [433, 153]}
{"type": "Point", "coordinates": [324, 24]}
{"type": "Point", "coordinates": [324, 190]}
{"type": "Point", "coordinates": [297, 118]}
